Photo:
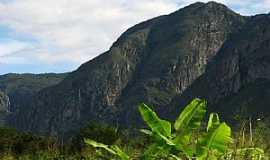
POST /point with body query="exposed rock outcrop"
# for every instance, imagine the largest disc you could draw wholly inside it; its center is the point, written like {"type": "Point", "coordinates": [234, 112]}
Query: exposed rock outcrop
{"type": "Point", "coordinates": [4, 108]}
{"type": "Point", "coordinates": [237, 81]}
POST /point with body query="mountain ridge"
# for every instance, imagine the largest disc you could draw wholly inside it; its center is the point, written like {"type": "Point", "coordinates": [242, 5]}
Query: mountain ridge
{"type": "Point", "coordinates": [18, 89]}
{"type": "Point", "coordinates": [157, 62]}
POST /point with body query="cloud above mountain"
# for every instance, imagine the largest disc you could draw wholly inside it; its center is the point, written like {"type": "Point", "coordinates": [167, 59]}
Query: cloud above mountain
{"type": "Point", "coordinates": [52, 32]}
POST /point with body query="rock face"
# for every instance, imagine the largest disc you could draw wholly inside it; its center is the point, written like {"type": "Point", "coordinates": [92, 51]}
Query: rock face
{"type": "Point", "coordinates": [152, 62]}
{"type": "Point", "coordinates": [237, 81]}
{"type": "Point", "coordinates": [4, 107]}
{"type": "Point", "coordinates": [4, 102]}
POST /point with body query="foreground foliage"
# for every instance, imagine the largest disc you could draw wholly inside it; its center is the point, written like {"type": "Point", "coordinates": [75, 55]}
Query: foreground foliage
{"type": "Point", "coordinates": [186, 139]}
{"type": "Point", "coordinates": [189, 137]}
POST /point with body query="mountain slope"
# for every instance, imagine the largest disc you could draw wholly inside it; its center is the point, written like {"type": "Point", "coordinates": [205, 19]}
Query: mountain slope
{"type": "Point", "coordinates": [20, 88]}
{"type": "Point", "coordinates": [181, 47]}
{"type": "Point", "coordinates": [237, 81]}
{"type": "Point", "coordinates": [152, 62]}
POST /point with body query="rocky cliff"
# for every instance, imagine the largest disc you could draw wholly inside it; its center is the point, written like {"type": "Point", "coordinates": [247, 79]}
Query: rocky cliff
{"type": "Point", "coordinates": [4, 108]}
{"type": "Point", "coordinates": [152, 62]}
{"type": "Point", "coordinates": [237, 81]}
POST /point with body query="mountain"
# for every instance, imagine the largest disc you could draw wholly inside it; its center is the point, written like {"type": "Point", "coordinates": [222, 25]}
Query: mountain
{"type": "Point", "coordinates": [152, 62]}
{"type": "Point", "coordinates": [237, 82]}
{"type": "Point", "coordinates": [20, 88]}
{"type": "Point", "coordinates": [4, 107]}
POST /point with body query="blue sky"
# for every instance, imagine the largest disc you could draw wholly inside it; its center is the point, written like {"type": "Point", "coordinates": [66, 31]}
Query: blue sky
{"type": "Point", "coordinates": [38, 36]}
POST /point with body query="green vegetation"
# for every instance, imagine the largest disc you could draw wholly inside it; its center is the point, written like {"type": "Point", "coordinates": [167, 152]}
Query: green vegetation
{"type": "Point", "coordinates": [187, 140]}
{"type": "Point", "coordinates": [189, 137]}
{"type": "Point", "coordinates": [15, 146]}
{"type": "Point", "coordinates": [11, 83]}
{"type": "Point", "coordinates": [24, 146]}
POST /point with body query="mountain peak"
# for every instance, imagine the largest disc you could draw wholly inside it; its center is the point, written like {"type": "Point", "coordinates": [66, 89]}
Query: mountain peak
{"type": "Point", "coordinates": [208, 4]}
{"type": "Point", "coordinates": [206, 8]}
{"type": "Point", "coordinates": [213, 4]}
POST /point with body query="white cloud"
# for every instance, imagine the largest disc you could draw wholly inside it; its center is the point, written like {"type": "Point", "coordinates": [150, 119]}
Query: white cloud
{"type": "Point", "coordinates": [77, 30]}
{"type": "Point", "coordinates": [13, 60]}
{"type": "Point", "coordinates": [8, 47]}
{"type": "Point", "coordinates": [74, 31]}
{"type": "Point", "coordinates": [249, 7]}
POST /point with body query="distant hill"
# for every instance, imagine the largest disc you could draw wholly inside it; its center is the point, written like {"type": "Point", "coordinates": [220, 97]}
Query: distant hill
{"type": "Point", "coordinates": [21, 87]}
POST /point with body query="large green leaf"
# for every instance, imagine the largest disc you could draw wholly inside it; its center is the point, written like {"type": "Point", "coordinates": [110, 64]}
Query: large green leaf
{"type": "Point", "coordinates": [120, 153]}
{"type": "Point", "coordinates": [147, 132]}
{"type": "Point", "coordinates": [189, 120]}
{"type": "Point", "coordinates": [182, 143]}
{"type": "Point", "coordinates": [215, 141]}
{"type": "Point", "coordinates": [99, 145]}
{"type": "Point", "coordinates": [213, 121]}
{"type": "Point", "coordinates": [115, 150]}
{"type": "Point", "coordinates": [156, 124]}
{"type": "Point", "coordinates": [191, 117]}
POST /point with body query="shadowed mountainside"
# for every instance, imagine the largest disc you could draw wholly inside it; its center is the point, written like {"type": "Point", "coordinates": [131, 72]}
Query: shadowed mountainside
{"type": "Point", "coordinates": [237, 81]}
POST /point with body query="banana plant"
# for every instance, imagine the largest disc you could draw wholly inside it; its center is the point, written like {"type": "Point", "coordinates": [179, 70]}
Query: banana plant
{"type": "Point", "coordinates": [214, 143]}
{"type": "Point", "coordinates": [215, 140]}
{"type": "Point", "coordinates": [186, 138]}
{"type": "Point", "coordinates": [161, 129]}
{"type": "Point", "coordinates": [211, 143]}
{"type": "Point", "coordinates": [186, 125]}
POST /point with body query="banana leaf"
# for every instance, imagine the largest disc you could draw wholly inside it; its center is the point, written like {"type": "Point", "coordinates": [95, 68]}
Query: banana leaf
{"type": "Point", "coordinates": [192, 116]}
{"type": "Point", "coordinates": [213, 121]}
{"type": "Point", "coordinates": [215, 141]}
{"type": "Point", "coordinates": [156, 124]}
